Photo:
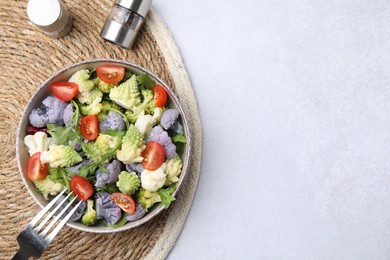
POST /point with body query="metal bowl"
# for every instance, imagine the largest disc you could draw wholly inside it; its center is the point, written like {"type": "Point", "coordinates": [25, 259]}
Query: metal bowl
{"type": "Point", "coordinates": [43, 91]}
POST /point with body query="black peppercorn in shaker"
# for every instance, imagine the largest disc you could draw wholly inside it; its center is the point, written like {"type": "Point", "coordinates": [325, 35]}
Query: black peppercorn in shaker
{"type": "Point", "coordinates": [124, 21]}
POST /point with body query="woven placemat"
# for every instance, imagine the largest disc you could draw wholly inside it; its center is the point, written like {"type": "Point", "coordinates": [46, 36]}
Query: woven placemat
{"type": "Point", "coordinates": [27, 58]}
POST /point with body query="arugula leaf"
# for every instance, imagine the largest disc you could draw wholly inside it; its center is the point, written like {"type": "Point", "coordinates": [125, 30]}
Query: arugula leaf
{"type": "Point", "coordinates": [61, 135]}
{"type": "Point", "coordinates": [166, 195]}
{"type": "Point", "coordinates": [126, 76]}
{"type": "Point", "coordinates": [120, 222]}
{"type": "Point", "coordinates": [110, 188]}
{"type": "Point", "coordinates": [59, 175]}
{"type": "Point", "coordinates": [115, 133]}
{"type": "Point", "coordinates": [179, 138]}
{"type": "Point", "coordinates": [88, 169]}
{"type": "Point", "coordinates": [145, 81]}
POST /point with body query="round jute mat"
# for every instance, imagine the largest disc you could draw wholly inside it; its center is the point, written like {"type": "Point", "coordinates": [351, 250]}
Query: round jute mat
{"type": "Point", "coordinates": [27, 58]}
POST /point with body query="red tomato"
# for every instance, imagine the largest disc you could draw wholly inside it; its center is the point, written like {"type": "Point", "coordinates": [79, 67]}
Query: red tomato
{"type": "Point", "coordinates": [125, 202]}
{"type": "Point", "coordinates": [160, 96]}
{"type": "Point", "coordinates": [35, 170]}
{"type": "Point", "coordinates": [89, 127]}
{"type": "Point", "coordinates": [110, 74]}
{"type": "Point", "coordinates": [64, 90]}
{"type": "Point", "coordinates": [153, 156]}
{"type": "Point", "coordinates": [81, 187]}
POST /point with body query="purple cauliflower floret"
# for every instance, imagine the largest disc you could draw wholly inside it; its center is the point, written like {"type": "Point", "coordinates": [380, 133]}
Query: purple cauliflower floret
{"type": "Point", "coordinates": [68, 112]}
{"type": "Point", "coordinates": [113, 170]}
{"type": "Point", "coordinates": [51, 113]}
{"type": "Point", "coordinates": [79, 211]}
{"type": "Point", "coordinates": [135, 167]}
{"type": "Point", "coordinates": [160, 136]}
{"type": "Point", "coordinates": [75, 169]}
{"type": "Point", "coordinates": [169, 117]}
{"type": "Point", "coordinates": [138, 213]}
{"type": "Point", "coordinates": [113, 121]}
{"type": "Point", "coordinates": [106, 208]}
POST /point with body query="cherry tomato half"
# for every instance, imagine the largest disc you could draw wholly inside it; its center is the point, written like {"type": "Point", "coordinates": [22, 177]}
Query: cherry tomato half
{"type": "Point", "coordinates": [81, 187]}
{"type": "Point", "coordinates": [89, 127]}
{"type": "Point", "coordinates": [153, 156]}
{"type": "Point", "coordinates": [125, 202]}
{"type": "Point", "coordinates": [111, 74]}
{"type": "Point", "coordinates": [64, 90]}
{"type": "Point", "coordinates": [35, 169]}
{"type": "Point", "coordinates": [160, 96]}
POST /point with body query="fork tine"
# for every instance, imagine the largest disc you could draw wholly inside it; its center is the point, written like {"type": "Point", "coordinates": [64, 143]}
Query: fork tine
{"type": "Point", "coordinates": [44, 232]}
{"type": "Point", "coordinates": [62, 223]}
{"type": "Point", "coordinates": [44, 210]}
{"type": "Point", "coordinates": [52, 213]}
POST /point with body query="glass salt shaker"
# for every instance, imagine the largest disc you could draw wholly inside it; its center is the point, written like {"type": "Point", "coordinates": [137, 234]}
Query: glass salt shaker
{"type": "Point", "coordinates": [124, 21]}
{"type": "Point", "coordinates": [50, 16]}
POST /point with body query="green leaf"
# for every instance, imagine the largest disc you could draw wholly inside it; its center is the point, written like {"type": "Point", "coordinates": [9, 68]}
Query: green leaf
{"type": "Point", "coordinates": [61, 135]}
{"type": "Point", "coordinates": [110, 188]}
{"type": "Point", "coordinates": [120, 222]}
{"type": "Point", "coordinates": [179, 138]}
{"type": "Point", "coordinates": [88, 169]}
{"type": "Point", "coordinates": [145, 81]}
{"type": "Point", "coordinates": [166, 195]}
{"type": "Point", "coordinates": [115, 133]}
{"type": "Point", "coordinates": [127, 76]}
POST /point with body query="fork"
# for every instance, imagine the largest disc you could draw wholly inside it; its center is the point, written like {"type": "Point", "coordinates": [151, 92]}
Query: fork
{"type": "Point", "coordinates": [32, 241]}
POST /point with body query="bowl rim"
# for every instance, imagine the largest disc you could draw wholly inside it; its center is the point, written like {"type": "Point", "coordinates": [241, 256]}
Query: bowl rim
{"type": "Point", "coordinates": [186, 154]}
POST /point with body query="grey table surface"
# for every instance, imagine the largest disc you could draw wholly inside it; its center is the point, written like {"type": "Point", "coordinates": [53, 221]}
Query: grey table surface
{"type": "Point", "coordinates": [294, 98]}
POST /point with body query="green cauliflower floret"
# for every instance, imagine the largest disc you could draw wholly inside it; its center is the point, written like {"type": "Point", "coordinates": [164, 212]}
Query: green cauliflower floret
{"type": "Point", "coordinates": [92, 109]}
{"type": "Point", "coordinates": [173, 170]}
{"type": "Point", "coordinates": [107, 107]}
{"type": "Point", "coordinates": [81, 78]}
{"type": "Point", "coordinates": [139, 110]}
{"type": "Point", "coordinates": [60, 156]}
{"type": "Point", "coordinates": [90, 96]}
{"type": "Point", "coordinates": [103, 86]}
{"type": "Point", "coordinates": [89, 217]}
{"type": "Point", "coordinates": [48, 187]}
{"type": "Point", "coordinates": [95, 150]}
{"type": "Point", "coordinates": [147, 198]}
{"type": "Point", "coordinates": [126, 94]}
{"type": "Point", "coordinates": [133, 144]}
{"type": "Point", "coordinates": [128, 183]}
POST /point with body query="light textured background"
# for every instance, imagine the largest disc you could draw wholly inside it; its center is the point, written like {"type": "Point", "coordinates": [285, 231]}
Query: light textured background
{"type": "Point", "coordinates": [294, 98]}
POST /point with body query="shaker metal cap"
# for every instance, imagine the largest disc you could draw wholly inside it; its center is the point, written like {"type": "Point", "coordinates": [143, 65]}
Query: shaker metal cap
{"type": "Point", "coordinates": [48, 15]}
{"type": "Point", "coordinates": [139, 6]}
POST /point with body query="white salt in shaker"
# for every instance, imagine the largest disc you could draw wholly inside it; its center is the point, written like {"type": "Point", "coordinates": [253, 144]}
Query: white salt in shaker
{"type": "Point", "coordinates": [50, 16]}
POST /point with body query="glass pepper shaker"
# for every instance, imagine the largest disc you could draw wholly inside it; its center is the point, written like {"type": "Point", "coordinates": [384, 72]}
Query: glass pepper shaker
{"type": "Point", "coordinates": [124, 21]}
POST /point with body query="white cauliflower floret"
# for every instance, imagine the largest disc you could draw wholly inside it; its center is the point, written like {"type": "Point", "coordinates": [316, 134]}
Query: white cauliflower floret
{"type": "Point", "coordinates": [39, 142]}
{"type": "Point", "coordinates": [157, 113]}
{"type": "Point", "coordinates": [145, 123]}
{"type": "Point", "coordinates": [153, 180]}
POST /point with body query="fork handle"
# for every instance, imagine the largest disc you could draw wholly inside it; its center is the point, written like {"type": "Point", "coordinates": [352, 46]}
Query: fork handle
{"type": "Point", "coordinates": [20, 256]}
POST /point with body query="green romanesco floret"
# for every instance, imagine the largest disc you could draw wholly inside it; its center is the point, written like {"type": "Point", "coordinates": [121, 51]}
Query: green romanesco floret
{"type": "Point", "coordinates": [133, 144]}
{"type": "Point", "coordinates": [48, 187]}
{"type": "Point", "coordinates": [126, 94]}
{"type": "Point", "coordinates": [147, 198]}
{"type": "Point", "coordinates": [106, 108]}
{"type": "Point", "coordinates": [92, 109]}
{"type": "Point", "coordinates": [81, 78]}
{"type": "Point", "coordinates": [60, 156]}
{"type": "Point", "coordinates": [89, 96]}
{"type": "Point", "coordinates": [157, 113]}
{"type": "Point", "coordinates": [128, 182]}
{"type": "Point", "coordinates": [103, 86]}
{"type": "Point", "coordinates": [96, 149]}
{"type": "Point", "coordinates": [140, 109]}
{"type": "Point", "coordinates": [173, 170]}
{"type": "Point", "coordinates": [89, 217]}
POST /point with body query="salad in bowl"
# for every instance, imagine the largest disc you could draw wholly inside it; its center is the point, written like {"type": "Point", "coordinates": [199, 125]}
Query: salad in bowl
{"type": "Point", "coordinates": [111, 133]}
